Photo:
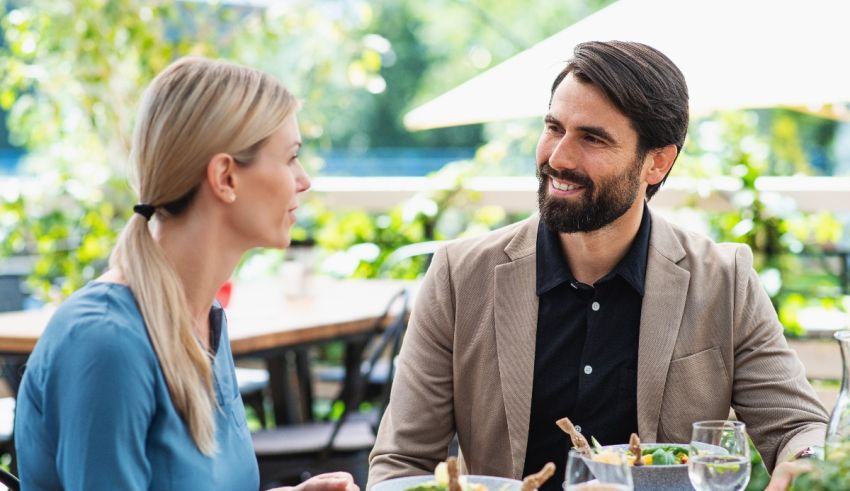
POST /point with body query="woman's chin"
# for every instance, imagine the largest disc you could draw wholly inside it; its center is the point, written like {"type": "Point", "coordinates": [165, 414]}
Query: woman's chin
{"type": "Point", "coordinates": [280, 242]}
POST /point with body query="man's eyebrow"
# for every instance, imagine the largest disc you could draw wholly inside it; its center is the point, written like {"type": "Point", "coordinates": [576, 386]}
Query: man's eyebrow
{"type": "Point", "coordinates": [598, 132]}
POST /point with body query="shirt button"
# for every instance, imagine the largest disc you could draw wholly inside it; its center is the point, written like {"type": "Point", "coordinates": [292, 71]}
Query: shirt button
{"type": "Point", "coordinates": [594, 306]}
{"type": "Point", "coordinates": [578, 428]}
{"type": "Point", "coordinates": [588, 369]}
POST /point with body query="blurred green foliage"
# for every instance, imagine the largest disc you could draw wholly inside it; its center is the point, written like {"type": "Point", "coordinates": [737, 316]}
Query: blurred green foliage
{"type": "Point", "coordinates": [759, 476]}
{"type": "Point", "coordinates": [433, 46]}
{"type": "Point", "coordinates": [362, 244]}
{"type": "Point", "coordinates": [73, 70]}
{"type": "Point", "coordinates": [72, 74]}
{"type": "Point", "coordinates": [825, 476]}
{"type": "Point", "coordinates": [788, 245]}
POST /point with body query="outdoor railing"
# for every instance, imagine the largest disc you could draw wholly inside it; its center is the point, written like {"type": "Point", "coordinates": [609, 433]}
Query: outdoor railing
{"type": "Point", "coordinates": [518, 194]}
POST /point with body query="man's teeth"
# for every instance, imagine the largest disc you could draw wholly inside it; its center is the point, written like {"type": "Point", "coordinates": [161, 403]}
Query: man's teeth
{"type": "Point", "coordinates": [563, 186]}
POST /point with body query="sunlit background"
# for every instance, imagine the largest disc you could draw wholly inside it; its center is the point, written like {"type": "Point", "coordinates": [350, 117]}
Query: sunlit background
{"type": "Point", "coordinates": [415, 132]}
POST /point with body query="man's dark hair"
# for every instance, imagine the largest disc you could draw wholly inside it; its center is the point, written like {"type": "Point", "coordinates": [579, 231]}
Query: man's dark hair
{"type": "Point", "coordinates": [642, 83]}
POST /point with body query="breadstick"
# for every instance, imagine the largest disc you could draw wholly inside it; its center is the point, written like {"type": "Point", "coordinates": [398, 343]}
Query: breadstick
{"type": "Point", "coordinates": [634, 448]}
{"type": "Point", "coordinates": [454, 484]}
{"type": "Point", "coordinates": [579, 441]}
{"type": "Point", "coordinates": [534, 481]}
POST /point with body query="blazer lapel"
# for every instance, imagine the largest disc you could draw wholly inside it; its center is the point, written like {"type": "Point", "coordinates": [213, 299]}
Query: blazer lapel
{"type": "Point", "coordinates": [515, 312]}
{"type": "Point", "coordinates": [661, 315]}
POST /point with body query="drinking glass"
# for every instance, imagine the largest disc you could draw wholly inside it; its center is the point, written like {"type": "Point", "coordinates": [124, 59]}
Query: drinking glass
{"type": "Point", "coordinates": [719, 456]}
{"type": "Point", "coordinates": [584, 474]}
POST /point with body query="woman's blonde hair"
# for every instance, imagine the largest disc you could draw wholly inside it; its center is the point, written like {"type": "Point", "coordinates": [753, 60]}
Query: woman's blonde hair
{"type": "Point", "coordinates": [193, 110]}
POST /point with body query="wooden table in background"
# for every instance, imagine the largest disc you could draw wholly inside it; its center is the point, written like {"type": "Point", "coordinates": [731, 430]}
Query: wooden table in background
{"type": "Point", "coordinates": [263, 322]}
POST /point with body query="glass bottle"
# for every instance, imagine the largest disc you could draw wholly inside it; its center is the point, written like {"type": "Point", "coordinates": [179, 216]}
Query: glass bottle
{"type": "Point", "coordinates": [837, 445]}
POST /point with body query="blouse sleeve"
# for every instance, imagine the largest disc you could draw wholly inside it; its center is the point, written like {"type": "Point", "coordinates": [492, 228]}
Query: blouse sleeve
{"type": "Point", "coordinates": [101, 393]}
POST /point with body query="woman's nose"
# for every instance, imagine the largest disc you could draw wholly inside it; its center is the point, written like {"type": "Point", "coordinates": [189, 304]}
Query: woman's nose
{"type": "Point", "coordinates": [302, 180]}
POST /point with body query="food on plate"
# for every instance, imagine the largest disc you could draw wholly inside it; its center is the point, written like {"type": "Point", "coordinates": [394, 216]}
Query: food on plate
{"type": "Point", "coordinates": [451, 465]}
{"type": "Point", "coordinates": [656, 455]}
{"type": "Point", "coordinates": [447, 478]}
{"type": "Point", "coordinates": [635, 456]}
{"type": "Point", "coordinates": [666, 455]}
{"type": "Point", "coordinates": [579, 441]}
{"type": "Point", "coordinates": [534, 481]}
{"type": "Point", "coordinates": [634, 448]}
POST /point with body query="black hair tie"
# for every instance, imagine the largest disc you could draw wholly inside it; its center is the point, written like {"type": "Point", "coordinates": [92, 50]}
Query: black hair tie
{"type": "Point", "coordinates": [145, 210]}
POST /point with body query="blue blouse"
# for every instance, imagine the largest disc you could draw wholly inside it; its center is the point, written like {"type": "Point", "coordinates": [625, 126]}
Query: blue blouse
{"type": "Point", "coordinates": [94, 411]}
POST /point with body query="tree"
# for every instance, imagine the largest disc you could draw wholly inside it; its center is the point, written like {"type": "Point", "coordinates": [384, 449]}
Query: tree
{"type": "Point", "coordinates": [72, 73]}
{"type": "Point", "coordinates": [428, 48]}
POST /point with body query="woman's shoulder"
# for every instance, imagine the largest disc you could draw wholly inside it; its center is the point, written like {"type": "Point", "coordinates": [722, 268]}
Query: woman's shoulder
{"type": "Point", "coordinates": [98, 316]}
{"type": "Point", "coordinates": [102, 303]}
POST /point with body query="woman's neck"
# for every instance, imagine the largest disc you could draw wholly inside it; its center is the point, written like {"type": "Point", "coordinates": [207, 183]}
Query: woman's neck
{"type": "Point", "coordinates": [202, 260]}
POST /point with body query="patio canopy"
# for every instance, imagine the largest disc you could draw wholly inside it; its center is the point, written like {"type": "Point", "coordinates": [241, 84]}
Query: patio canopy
{"type": "Point", "coordinates": [734, 54]}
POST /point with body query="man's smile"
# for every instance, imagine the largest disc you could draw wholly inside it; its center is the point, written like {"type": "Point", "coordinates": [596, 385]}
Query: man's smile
{"type": "Point", "coordinates": [564, 185]}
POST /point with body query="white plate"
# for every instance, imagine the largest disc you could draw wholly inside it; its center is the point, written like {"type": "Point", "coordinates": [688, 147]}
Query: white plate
{"type": "Point", "coordinates": [492, 483]}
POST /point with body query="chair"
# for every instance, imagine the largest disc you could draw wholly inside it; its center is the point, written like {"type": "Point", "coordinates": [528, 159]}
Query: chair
{"type": "Point", "coordinates": [7, 438]}
{"type": "Point", "coordinates": [291, 454]}
{"type": "Point", "coordinates": [9, 480]}
{"type": "Point", "coordinates": [378, 379]}
{"type": "Point", "coordinates": [7, 424]}
{"type": "Point", "coordinates": [410, 251]}
{"type": "Point", "coordinates": [252, 384]}
{"type": "Point", "coordinates": [12, 297]}
{"type": "Point", "coordinates": [12, 294]}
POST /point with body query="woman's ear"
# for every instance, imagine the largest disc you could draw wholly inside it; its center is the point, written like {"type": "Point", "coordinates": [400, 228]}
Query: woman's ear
{"type": "Point", "coordinates": [661, 160]}
{"type": "Point", "coordinates": [221, 177]}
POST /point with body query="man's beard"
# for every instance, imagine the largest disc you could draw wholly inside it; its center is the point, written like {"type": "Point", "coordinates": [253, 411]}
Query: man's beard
{"type": "Point", "coordinates": [597, 207]}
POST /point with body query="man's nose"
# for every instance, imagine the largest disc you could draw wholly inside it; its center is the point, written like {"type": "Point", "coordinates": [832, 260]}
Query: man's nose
{"type": "Point", "coordinates": [562, 156]}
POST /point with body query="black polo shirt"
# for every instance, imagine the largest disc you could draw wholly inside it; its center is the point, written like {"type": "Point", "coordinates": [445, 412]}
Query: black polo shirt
{"type": "Point", "coordinates": [585, 359]}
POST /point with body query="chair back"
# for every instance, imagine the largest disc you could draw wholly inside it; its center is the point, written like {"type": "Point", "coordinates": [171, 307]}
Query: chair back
{"type": "Point", "coordinates": [9, 480]}
{"type": "Point", "coordinates": [388, 344]}
{"type": "Point", "coordinates": [12, 294]}
{"type": "Point", "coordinates": [292, 453]}
{"type": "Point", "coordinates": [409, 252]}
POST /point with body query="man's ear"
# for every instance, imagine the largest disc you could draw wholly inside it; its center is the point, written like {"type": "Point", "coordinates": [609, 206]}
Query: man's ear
{"type": "Point", "coordinates": [660, 162]}
{"type": "Point", "coordinates": [221, 177]}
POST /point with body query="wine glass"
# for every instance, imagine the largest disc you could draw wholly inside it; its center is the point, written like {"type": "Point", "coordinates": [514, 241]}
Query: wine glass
{"type": "Point", "coordinates": [584, 474]}
{"type": "Point", "coordinates": [719, 456]}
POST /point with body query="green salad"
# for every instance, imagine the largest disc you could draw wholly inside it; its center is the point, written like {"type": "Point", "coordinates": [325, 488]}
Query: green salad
{"type": "Point", "coordinates": [656, 455]}
{"type": "Point", "coordinates": [665, 455]}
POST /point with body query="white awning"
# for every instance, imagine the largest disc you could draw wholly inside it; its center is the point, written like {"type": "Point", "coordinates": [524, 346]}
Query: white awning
{"type": "Point", "coordinates": [734, 54]}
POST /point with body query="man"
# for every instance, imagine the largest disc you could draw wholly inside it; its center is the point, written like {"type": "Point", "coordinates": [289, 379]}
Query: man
{"type": "Point", "coordinates": [597, 309]}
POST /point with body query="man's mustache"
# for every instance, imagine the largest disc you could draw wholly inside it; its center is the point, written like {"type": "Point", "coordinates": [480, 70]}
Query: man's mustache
{"type": "Point", "coordinates": [564, 175]}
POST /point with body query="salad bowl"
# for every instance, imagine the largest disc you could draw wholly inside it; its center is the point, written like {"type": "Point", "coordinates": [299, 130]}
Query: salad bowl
{"type": "Point", "coordinates": [427, 482]}
{"type": "Point", "coordinates": [658, 476]}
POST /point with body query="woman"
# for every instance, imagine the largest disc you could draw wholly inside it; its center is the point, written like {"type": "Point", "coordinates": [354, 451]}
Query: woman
{"type": "Point", "coordinates": [132, 384]}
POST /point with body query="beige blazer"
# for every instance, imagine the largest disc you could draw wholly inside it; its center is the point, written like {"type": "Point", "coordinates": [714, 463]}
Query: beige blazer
{"type": "Point", "coordinates": [709, 340]}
